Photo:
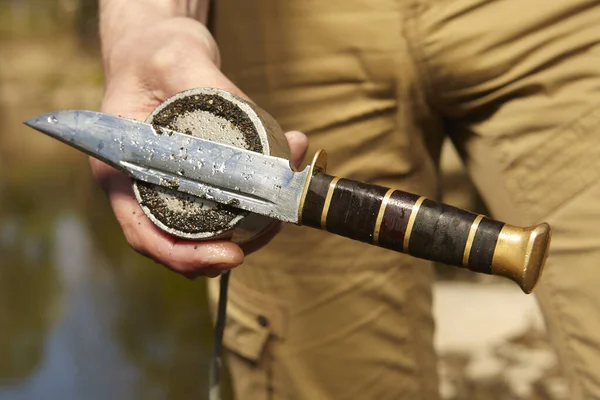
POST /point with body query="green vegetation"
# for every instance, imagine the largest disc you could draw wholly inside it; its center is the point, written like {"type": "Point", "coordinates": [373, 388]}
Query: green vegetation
{"type": "Point", "coordinates": [35, 18]}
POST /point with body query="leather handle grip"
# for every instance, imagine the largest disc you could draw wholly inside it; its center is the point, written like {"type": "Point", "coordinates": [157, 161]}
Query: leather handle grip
{"type": "Point", "coordinates": [424, 228]}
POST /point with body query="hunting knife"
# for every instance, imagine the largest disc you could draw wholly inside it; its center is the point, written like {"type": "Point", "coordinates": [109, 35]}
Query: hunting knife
{"type": "Point", "coordinates": [267, 185]}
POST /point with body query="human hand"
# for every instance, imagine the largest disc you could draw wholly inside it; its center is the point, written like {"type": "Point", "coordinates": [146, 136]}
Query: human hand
{"type": "Point", "coordinates": [142, 70]}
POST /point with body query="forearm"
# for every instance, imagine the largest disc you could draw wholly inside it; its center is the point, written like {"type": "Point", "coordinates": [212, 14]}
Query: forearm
{"type": "Point", "coordinates": [118, 16]}
{"type": "Point", "coordinates": [122, 19]}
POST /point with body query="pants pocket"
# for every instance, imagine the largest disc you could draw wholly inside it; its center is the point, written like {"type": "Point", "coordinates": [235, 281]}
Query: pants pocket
{"type": "Point", "coordinates": [254, 323]}
{"type": "Point", "coordinates": [252, 318]}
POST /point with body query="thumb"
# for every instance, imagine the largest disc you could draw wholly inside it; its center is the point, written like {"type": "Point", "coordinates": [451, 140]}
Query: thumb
{"type": "Point", "coordinates": [298, 143]}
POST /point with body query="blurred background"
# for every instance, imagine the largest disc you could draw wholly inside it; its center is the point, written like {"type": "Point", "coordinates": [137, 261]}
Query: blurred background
{"type": "Point", "coordinates": [84, 317]}
{"type": "Point", "coordinates": [81, 315]}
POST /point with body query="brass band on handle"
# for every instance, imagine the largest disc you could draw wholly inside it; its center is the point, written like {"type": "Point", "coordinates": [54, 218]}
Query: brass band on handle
{"type": "Point", "coordinates": [470, 239]}
{"type": "Point", "coordinates": [411, 223]}
{"type": "Point", "coordinates": [380, 214]}
{"type": "Point", "coordinates": [328, 202]}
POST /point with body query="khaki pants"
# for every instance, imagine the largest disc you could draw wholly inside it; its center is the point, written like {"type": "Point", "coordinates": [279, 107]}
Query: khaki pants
{"type": "Point", "coordinates": [379, 84]}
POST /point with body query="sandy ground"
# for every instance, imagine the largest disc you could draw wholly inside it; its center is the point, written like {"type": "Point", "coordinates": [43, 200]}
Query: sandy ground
{"type": "Point", "coordinates": [493, 345]}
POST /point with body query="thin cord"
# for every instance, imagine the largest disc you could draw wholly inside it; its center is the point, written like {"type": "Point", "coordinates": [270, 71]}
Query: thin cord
{"type": "Point", "coordinates": [215, 369]}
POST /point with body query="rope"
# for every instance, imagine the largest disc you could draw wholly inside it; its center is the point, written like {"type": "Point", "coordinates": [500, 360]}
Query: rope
{"type": "Point", "coordinates": [215, 369]}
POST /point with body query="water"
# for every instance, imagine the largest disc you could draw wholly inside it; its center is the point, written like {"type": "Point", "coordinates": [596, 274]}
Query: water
{"type": "Point", "coordinates": [82, 315]}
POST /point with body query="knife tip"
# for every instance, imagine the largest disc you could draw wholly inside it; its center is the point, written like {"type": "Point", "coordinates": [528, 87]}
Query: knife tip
{"type": "Point", "coordinates": [42, 122]}
{"type": "Point", "coordinates": [31, 122]}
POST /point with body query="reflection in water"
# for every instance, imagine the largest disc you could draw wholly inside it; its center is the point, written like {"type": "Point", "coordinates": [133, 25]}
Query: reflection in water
{"type": "Point", "coordinates": [84, 317]}
{"type": "Point", "coordinates": [28, 294]}
{"type": "Point", "coordinates": [80, 359]}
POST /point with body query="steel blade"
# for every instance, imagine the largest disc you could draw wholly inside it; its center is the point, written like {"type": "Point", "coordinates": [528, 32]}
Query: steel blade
{"type": "Point", "coordinates": [226, 174]}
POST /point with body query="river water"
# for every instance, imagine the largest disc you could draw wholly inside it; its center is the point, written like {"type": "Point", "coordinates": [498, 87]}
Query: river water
{"type": "Point", "coordinates": [81, 315]}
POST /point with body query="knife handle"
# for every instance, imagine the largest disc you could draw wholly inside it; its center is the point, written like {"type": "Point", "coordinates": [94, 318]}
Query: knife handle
{"type": "Point", "coordinates": [424, 228]}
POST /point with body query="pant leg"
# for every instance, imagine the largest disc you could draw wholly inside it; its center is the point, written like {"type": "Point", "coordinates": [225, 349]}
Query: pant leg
{"type": "Point", "coordinates": [519, 84]}
{"type": "Point", "coordinates": [314, 315]}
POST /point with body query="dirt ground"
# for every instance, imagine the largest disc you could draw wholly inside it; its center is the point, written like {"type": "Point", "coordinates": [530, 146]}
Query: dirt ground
{"type": "Point", "coordinates": [493, 345]}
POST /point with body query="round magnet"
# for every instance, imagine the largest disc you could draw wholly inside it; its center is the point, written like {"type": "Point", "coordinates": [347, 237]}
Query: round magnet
{"type": "Point", "coordinates": [219, 116]}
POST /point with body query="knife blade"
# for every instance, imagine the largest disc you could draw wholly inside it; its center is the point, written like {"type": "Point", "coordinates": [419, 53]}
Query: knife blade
{"type": "Point", "coordinates": [267, 185]}
{"type": "Point", "coordinates": [222, 173]}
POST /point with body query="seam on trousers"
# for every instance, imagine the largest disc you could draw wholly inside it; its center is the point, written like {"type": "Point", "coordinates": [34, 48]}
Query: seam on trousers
{"type": "Point", "coordinates": [426, 383]}
{"type": "Point", "coordinates": [574, 364]}
{"type": "Point", "coordinates": [560, 168]}
{"type": "Point", "coordinates": [424, 109]}
{"type": "Point", "coordinates": [410, 23]}
{"type": "Point", "coordinates": [270, 389]}
{"type": "Point", "coordinates": [576, 369]}
{"type": "Point", "coordinates": [410, 11]}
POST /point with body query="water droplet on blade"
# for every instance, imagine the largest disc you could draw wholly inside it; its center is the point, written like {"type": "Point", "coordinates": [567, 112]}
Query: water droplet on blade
{"type": "Point", "coordinates": [52, 120]}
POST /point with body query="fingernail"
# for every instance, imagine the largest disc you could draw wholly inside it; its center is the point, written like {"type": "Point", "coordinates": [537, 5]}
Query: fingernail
{"type": "Point", "coordinates": [212, 273]}
{"type": "Point", "coordinates": [192, 275]}
{"type": "Point", "coordinates": [224, 267]}
{"type": "Point", "coordinates": [223, 256]}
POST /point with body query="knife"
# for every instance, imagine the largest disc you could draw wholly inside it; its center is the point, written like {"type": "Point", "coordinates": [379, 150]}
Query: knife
{"type": "Point", "coordinates": [266, 185]}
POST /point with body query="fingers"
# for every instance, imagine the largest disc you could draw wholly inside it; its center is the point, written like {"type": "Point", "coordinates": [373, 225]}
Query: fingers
{"type": "Point", "coordinates": [263, 239]}
{"type": "Point", "coordinates": [136, 96]}
{"type": "Point", "coordinates": [298, 143]}
{"type": "Point", "coordinates": [192, 259]}
{"type": "Point", "coordinates": [188, 258]}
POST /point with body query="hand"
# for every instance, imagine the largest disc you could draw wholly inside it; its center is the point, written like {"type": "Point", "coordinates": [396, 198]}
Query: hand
{"type": "Point", "coordinates": [142, 70]}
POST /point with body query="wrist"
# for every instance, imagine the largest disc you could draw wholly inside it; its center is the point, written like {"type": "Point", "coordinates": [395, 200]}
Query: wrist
{"type": "Point", "coordinates": [120, 17]}
{"type": "Point", "coordinates": [163, 42]}
{"type": "Point", "coordinates": [124, 18]}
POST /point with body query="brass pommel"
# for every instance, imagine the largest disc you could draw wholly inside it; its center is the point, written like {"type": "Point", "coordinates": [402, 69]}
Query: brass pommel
{"type": "Point", "coordinates": [521, 253]}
